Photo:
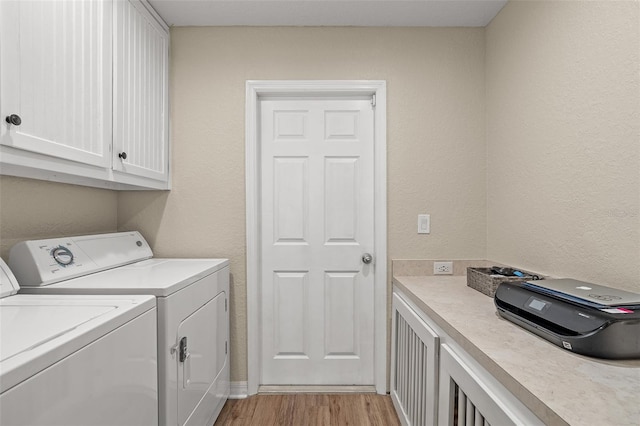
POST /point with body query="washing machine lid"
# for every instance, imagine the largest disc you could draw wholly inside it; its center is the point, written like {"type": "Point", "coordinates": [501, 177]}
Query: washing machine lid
{"type": "Point", "coordinates": [8, 283]}
{"type": "Point", "coordinates": [39, 330]}
{"type": "Point", "coordinates": [27, 327]}
{"type": "Point", "coordinates": [159, 277]}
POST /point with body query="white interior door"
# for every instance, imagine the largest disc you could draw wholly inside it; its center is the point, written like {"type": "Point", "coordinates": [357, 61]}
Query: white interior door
{"type": "Point", "coordinates": [317, 209]}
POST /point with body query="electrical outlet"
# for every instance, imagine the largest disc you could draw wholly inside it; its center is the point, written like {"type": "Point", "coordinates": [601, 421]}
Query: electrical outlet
{"type": "Point", "coordinates": [442, 268]}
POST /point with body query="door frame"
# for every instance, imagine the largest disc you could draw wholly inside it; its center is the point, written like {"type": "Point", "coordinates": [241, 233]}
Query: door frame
{"type": "Point", "coordinates": [314, 88]}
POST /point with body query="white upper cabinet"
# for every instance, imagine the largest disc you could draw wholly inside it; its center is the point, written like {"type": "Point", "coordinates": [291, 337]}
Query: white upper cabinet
{"type": "Point", "coordinates": [87, 82]}
{"type": "Point", "coordinates": [141, 61]}
{"type": "Point", "coordinates": [56, 77]}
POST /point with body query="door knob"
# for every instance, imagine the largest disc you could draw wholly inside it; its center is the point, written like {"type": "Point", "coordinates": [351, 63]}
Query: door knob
{"type": "Point", "coordinates": [123, 155]}
{"type": "Point", "coordinates": [13, 119]}
{"type": "Point", "coordinates": [367, 258]}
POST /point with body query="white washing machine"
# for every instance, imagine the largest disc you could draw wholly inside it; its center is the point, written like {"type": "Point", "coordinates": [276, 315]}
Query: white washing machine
{"type": "Point", "coordinates": [76, 360]}
{"type": "Point", "coordinates": [191, 297]}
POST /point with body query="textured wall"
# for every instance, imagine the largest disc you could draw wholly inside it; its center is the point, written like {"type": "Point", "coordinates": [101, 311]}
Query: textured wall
{"type": "Point", "coordinates": [563, 136]}
{"type": "Point", "coordinates": [436, 148]}
{"type": "Point", "coordinates": [561, 160]}
{"type": "Point", "coordinates": [32, 209]}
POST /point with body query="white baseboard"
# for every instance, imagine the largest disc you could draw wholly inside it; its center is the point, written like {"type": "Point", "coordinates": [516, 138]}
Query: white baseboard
{"type": "Point", "coordinates": [239, 390]}
{"type": "Point", "coordinates": [316, 389]}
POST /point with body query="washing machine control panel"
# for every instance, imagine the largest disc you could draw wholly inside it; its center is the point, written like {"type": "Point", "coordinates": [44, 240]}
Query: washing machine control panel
{"type": "Point", "coordinates": [44, 262]}
{"type": "Point", "coordinates": [62, 255]}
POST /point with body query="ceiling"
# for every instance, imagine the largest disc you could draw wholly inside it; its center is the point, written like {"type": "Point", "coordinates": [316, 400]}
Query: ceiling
{"type": "Point", "coordinates": [376, 13]}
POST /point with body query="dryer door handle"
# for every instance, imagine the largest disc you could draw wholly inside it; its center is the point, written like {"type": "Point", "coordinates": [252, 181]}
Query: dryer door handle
{"type": "Point", "coordinates": [185, 359]}
{"type": "Point", "coordinates": [184, 351]}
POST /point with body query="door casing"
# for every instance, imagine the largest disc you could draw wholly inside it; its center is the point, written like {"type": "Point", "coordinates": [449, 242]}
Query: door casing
{"type": "Point", "coordinates": [314, 88]}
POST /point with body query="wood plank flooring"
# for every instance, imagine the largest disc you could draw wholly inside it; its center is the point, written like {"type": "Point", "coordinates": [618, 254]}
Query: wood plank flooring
{"type": "Point", "coordinates": [310, 410]}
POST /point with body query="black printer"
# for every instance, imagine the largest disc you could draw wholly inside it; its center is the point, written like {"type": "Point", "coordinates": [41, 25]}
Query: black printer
{"type": "Point", "coordinates": [585, 318]}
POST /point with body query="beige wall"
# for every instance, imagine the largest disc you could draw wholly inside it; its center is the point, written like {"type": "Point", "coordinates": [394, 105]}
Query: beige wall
{"type": "Point", "coordinates": [557, 172]}
{"type": "Point", "coordinates": [436, 149]}
{"type": "Point", "coordinates": [563, 139]}
{"type": "Point", "coordinates": [31, 209]}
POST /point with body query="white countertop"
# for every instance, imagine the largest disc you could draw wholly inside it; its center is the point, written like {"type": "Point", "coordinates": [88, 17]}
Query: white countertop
{"type": "Point", "coordinates": [559, 386]}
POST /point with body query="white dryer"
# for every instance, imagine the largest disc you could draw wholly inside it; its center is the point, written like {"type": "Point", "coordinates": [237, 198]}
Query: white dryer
{"type": "Point", "coordinates": [76, 360]}
{"type": "Point", "coordinates": [191, 297]}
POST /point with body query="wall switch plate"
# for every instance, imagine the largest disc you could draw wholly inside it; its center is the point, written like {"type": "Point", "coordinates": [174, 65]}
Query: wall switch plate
{"type": "Point", "coordinates": [442, 268]}
{"type": "Point", "coordinates": [424, 224]}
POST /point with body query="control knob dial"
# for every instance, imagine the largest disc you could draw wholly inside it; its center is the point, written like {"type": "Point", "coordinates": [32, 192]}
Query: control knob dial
{"type": "Point", "coordinates": [62, 255]}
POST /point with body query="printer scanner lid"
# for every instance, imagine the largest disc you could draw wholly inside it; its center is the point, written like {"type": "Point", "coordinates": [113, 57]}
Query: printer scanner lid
{"type": "Point", "coordinates": [567, 288]}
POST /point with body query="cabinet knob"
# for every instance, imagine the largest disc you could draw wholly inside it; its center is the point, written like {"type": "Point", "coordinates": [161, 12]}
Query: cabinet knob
{"type": "Point", "coordinates": [123, 155]}
{"type": "Point", "coordinates": [13, 119]}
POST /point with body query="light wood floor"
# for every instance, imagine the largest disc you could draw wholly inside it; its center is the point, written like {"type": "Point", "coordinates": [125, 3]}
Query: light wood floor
{"type": "Point", "coordinates": [310, 410]}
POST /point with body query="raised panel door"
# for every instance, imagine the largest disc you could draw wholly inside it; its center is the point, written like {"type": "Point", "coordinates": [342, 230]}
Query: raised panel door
{"type": "Point", "coordinates": [317, 222]}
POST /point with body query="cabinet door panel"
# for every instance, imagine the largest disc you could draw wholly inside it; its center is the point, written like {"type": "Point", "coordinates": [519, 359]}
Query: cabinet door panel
{"type": "Point", "coordinates": [140, 92]}
{"type": "Point", "coordinates": [56, 75]}
{"type": "Point", "coordinates": [470, 395]}
{"type": "Point", "coordinates": [414, 366]}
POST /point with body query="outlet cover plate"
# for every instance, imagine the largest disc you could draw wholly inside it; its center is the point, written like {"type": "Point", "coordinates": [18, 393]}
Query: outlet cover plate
{"type": "Point", "coordinates": [424, 224]}
{"type": "Point", "coordinates": [442, 268]}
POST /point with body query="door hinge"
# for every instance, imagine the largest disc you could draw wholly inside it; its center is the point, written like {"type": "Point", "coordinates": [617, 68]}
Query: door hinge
{"type": "Point", "coordinates": [225, 305]}
{"type": "Point", "coordinates": [373, 101]}
{"type": "Point", "coordinates": [225, 348]}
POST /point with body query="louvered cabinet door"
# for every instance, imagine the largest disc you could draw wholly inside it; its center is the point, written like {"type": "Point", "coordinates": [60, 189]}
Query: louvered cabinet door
{"type": "Point", "coordinates": [470, 396]}
{"type": "Point", "coordinates": [140, 113]}
{"type": "Point", "coordinates": [414, 366]}
{"type": "Point", "coordinates": [56, 79]}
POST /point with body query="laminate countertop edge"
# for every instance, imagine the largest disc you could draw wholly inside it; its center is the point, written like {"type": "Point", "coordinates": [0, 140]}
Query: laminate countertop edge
{"type": "Point", "coordinates": [511, 355]}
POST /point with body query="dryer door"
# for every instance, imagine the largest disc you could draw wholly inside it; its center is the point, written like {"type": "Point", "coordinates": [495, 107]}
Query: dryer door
{"type": "Point", "coordinates": [202, 351]}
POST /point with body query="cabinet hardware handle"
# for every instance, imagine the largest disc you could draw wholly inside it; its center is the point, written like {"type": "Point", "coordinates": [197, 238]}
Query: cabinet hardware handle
{"type": "Point", "coordinates": [14, 119]}
{"type": "Point", "coordinates": [123, 155]}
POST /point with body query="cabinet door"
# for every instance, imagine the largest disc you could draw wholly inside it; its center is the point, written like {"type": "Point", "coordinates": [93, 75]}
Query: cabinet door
{"type": "Point", "coordinates": [56, 76]}
{"type": "Point", "coordinates": [141, 51]}
{"type": "Point", "coordinates": [471, 396]}
{"type": "Point", "coordinates": [414, 366]}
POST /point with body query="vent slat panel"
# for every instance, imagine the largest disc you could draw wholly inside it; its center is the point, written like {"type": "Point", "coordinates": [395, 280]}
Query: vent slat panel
{"type": "Point", "coordinates": [465, 413]}
{"type": "Point", "coordinates": [412, 376]}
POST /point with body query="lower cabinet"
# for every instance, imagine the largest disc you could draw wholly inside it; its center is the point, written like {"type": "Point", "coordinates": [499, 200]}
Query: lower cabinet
{"type": "Point", "coordinates": [469, 395]}
{"type": "Point", "coordinates": [414, 361]}
{"type": "Point", "coordinates": [434, 381]}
